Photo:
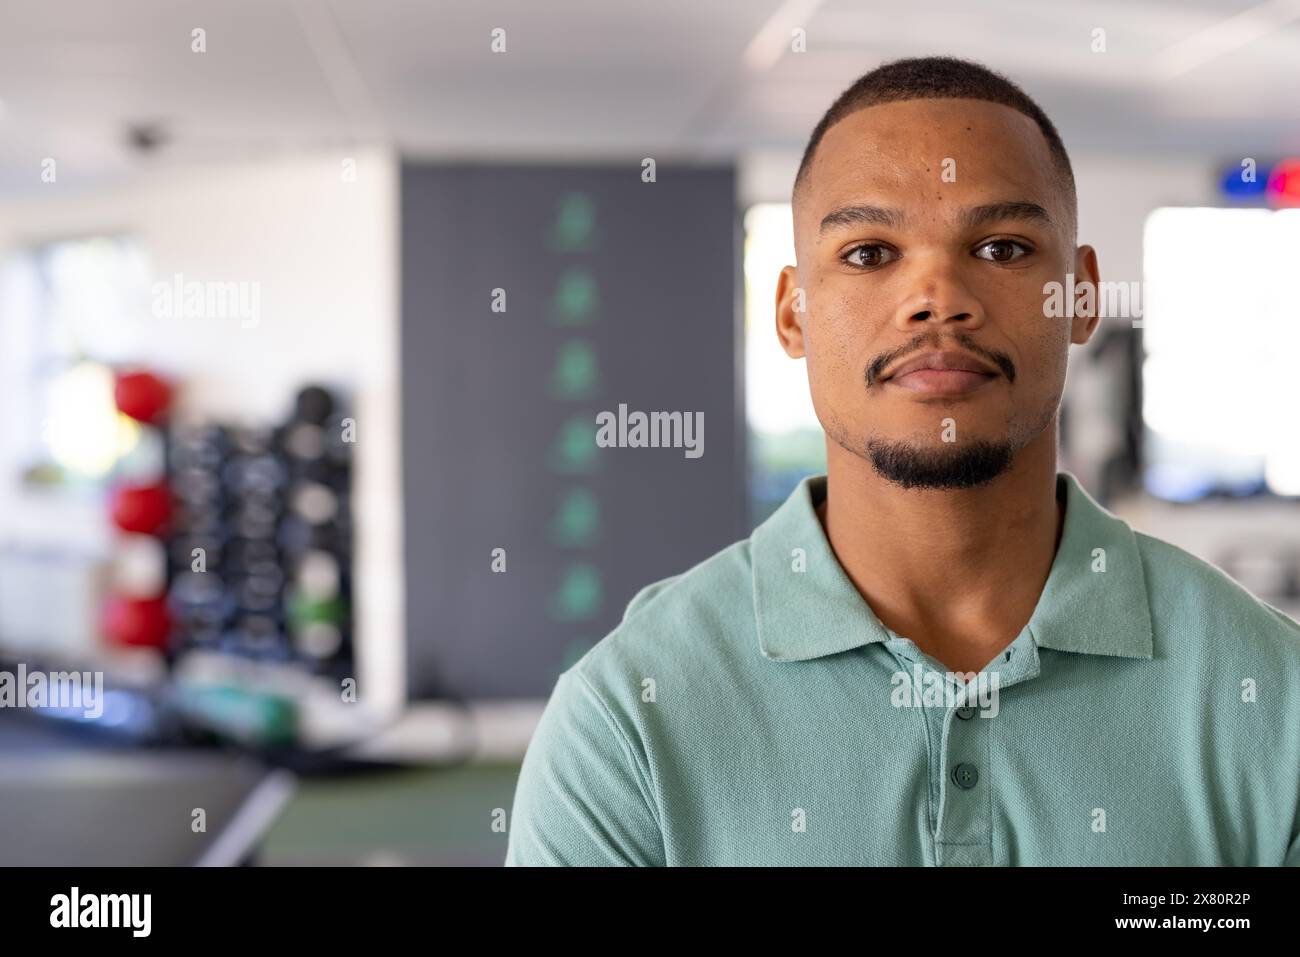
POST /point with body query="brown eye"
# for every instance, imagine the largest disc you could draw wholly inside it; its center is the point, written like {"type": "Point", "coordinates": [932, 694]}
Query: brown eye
{"type": "Point", "coordinates": [869, 256]}
{"type": "Point", "coordinates": [1002, 251]}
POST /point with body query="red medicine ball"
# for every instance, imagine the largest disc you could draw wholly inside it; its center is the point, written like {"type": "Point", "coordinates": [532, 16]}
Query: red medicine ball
{"type": "Point", "coordinates": [142, 396]}
{"type": "Point", "coordinates": [138, 622]}
{"type": "Point", "coordinates": [141, 508]}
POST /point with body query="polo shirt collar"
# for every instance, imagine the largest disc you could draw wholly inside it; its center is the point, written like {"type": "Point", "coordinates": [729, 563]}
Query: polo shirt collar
{"type": "Point", "coordinates": [1095, 600]}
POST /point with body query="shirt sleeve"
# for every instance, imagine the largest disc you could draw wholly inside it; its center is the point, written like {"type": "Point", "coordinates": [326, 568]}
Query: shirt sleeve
{"type": "Point", "coordinates": [582, 798]}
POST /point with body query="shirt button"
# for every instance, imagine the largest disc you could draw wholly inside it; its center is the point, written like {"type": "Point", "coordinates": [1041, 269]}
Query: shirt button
{"type": "Point", "coordinates": [965, 776]}
{"type": "Point", "coordinates": [965, 713]}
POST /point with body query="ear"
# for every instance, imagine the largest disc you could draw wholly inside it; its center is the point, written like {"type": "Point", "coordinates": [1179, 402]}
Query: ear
{"type": "Point", "coordinates": [1086, 316]}
{"type": "Point", "coordinates": [791, 310]}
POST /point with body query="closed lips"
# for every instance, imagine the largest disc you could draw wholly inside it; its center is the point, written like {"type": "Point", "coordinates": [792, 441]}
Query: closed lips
{"type": "Point", "coordinates": [942, 362]}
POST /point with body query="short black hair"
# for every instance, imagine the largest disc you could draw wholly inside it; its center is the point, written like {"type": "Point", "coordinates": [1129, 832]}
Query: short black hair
{"type": "Point", "coordinates": [932, 78]}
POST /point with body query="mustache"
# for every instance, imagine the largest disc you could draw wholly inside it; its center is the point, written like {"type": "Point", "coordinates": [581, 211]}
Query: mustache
{"type": "Point", "coordinates": [932, 340]}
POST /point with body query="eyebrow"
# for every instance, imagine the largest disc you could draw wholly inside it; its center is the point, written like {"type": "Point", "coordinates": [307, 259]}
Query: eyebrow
{"type": "Point", "coordinates": [847, 216]}
{"type": "Point", "coordinates": [977, 216]}
{"type": "Point", "coordinates": [971, 218]}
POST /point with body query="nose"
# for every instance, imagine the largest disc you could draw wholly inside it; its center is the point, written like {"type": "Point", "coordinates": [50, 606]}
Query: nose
{"type": "Point", "coordinates": [938, 296]}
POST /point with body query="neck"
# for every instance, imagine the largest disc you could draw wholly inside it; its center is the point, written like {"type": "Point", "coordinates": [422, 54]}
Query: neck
{"type": "Point", "coordinates": [958, 572]}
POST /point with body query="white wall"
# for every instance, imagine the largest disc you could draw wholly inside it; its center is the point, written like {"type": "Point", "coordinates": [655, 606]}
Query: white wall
{"type": "Point", "coordinates": [325, 253]}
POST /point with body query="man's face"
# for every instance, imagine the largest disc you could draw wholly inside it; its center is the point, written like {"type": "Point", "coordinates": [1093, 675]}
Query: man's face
{"type": "Point", "coordinates": [924, 237]}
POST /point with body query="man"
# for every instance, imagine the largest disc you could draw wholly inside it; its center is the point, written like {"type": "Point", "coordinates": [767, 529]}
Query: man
{"type": "Point", "coordinates": [943, 652]}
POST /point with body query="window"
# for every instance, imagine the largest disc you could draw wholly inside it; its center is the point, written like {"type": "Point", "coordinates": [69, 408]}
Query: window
{"type": "Point", "coordinates": [70, 309]}
{"type": "Point", "coordinates": [786, 440]}
{"type": "Point", "coordinates": [1221, 333]}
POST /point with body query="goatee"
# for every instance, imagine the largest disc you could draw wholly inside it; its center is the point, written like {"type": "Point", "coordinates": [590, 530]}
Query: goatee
{"type": "Point", "coordinates": [967, 466]}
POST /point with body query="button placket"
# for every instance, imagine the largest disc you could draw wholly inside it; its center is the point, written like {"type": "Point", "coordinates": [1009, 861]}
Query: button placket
{"type": "Point", "coordinates": [906, 655]}
{"type": "Point", "coordinates": [965, 819]}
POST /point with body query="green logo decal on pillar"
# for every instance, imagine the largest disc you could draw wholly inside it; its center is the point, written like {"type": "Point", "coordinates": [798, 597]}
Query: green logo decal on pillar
{"type": "Point", "coordinates": [574, 226]}
{"type": "Point", "coordinates": [576, 298]}
{"type": "Point", "coordinates": [574, 449]}
{"type": "Point", "coordinates": [577, 523]}
{"type": "Point", "coordinates": [578, 596]}
{"type": "Point", "coordinates": [575, 371]}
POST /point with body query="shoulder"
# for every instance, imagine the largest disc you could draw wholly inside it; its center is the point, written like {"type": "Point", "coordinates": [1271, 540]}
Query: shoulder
{"type": "Point", "coordinates": [591, 752]}
{"type": "Point", "coordinates": [690, 622]}
{"type": "Point", "coordinates": [724, 578]}
{"type": "Point", "coordinates": [1192, 598]}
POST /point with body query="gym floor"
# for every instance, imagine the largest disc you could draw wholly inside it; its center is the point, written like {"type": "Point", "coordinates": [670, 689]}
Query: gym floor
{"type": "Point", "coordinates": [439, 817]}
{"type": "Point", "coordinates": [88, 801]}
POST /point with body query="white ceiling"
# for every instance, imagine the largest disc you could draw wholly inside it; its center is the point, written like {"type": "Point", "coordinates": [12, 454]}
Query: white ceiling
{"type": "Point", "coordinates": [605, 78]}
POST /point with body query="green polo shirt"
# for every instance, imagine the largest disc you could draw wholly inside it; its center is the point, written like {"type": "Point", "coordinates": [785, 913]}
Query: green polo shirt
{"type": "Point", "coordinates": [754, 711]}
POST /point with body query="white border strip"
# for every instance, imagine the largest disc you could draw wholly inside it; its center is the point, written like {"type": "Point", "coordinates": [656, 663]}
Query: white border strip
{"type": "Point", "coordinates": [262, 806]}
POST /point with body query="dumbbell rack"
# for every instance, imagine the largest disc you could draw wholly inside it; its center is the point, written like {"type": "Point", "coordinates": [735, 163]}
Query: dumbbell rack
{"type": "Point", "coordinates": [260, 567]}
